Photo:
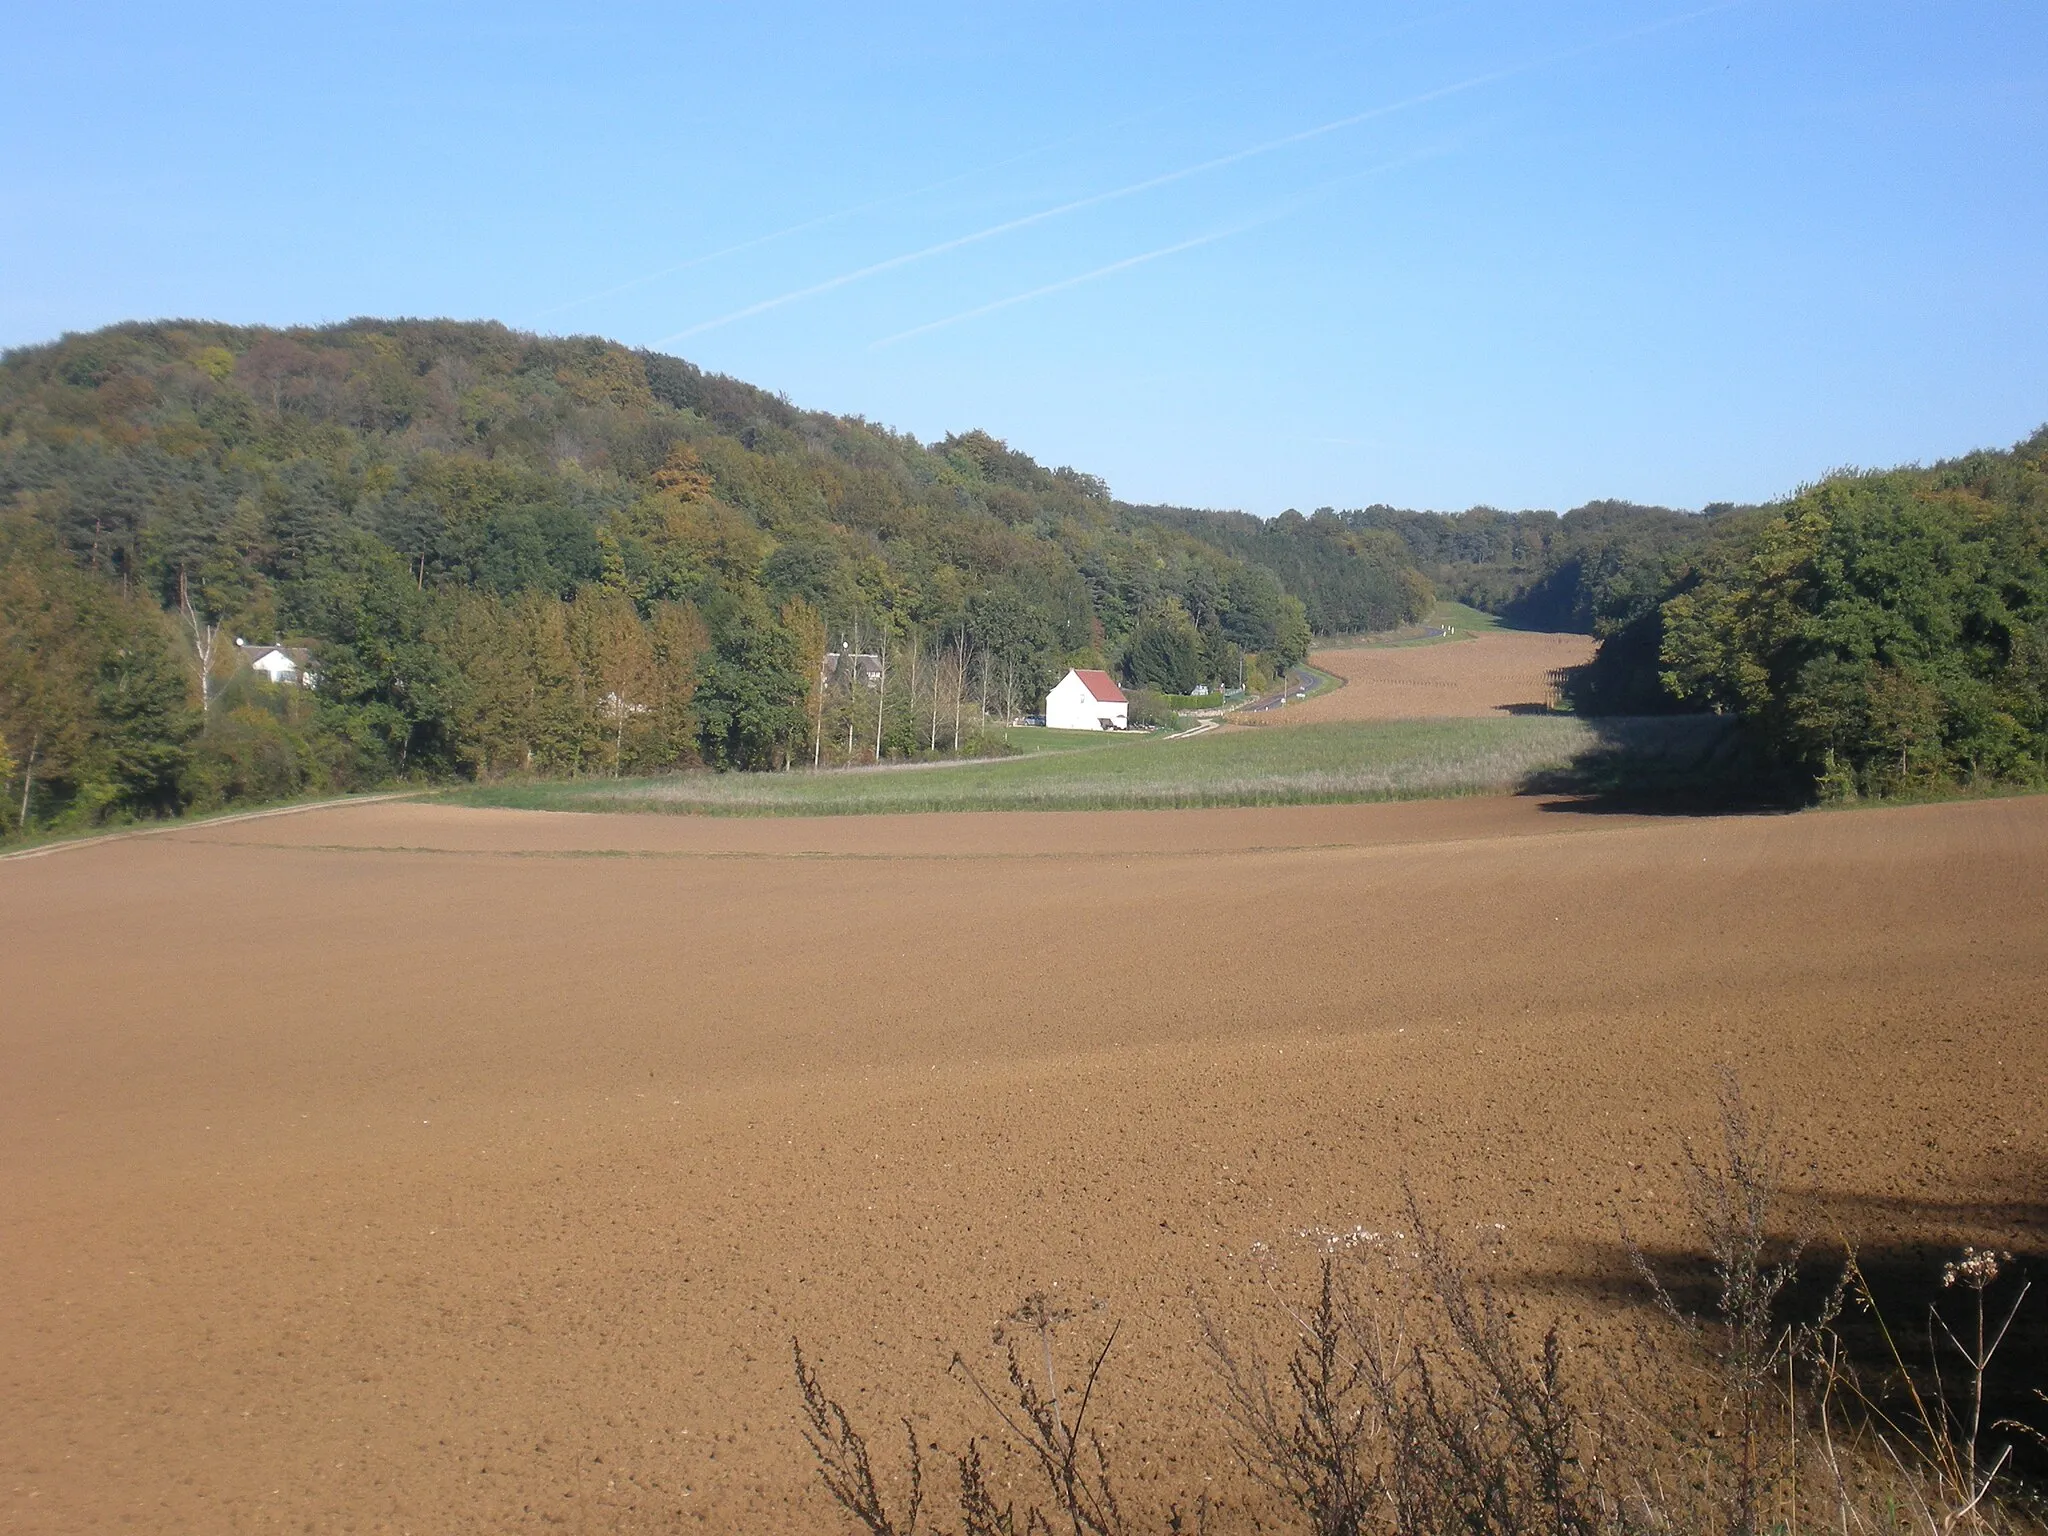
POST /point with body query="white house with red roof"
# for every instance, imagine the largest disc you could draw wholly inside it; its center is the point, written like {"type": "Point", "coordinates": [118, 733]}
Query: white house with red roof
{"type": "Point", "coordinates": [1086, 700]}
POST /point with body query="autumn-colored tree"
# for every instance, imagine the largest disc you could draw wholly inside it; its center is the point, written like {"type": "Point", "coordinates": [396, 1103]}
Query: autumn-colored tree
{"type": "Point", "coordinates": [93, 711]}
{"type": "Point", "coordinates": [615, 659]}
{"type": "Point", "coordinates": [559, 723]}
{"type": "Point", "coordinates": [682, 475]}
{"type": "Point", "coordinates": [807, 628]}
{"type": "Point", "coordinates": [492, 716]}
{"type": "Point", "coordinates": [44, 682]}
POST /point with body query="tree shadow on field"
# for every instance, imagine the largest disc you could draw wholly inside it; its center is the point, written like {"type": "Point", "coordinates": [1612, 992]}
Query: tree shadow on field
{"type": "Point", "coordinates": [1894, 1343]}
{"type": "Point", "coordinates": [1670, 765]}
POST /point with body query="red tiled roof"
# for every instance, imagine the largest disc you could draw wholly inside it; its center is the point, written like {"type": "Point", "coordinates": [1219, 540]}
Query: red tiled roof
{"type": "Point", "coordinates": [1101, 685]}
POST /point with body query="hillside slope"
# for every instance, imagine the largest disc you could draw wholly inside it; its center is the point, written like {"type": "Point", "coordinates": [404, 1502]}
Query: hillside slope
{"type": "Point", "coordinates": [507, 552]}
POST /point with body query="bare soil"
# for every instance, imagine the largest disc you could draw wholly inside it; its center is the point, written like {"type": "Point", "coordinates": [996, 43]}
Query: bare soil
{"type": "Point", "coordinates": [1489, 672]}
{"type": "Point", "coordinates": [402, 1167]}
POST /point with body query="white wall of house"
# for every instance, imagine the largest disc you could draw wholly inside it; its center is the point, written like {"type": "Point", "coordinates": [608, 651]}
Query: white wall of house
{"type": "Point", "coordinates": [1071, 707]}
{"type": "Point", "coordinates": [276, 664]}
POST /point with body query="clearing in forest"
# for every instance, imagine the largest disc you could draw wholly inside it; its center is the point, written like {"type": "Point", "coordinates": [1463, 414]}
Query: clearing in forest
{"type": "Point", "coordinates": [1472, 673]}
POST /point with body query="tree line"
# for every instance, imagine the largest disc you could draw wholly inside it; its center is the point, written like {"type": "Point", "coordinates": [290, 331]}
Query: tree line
{"type": "Point", "coordinates": [511, 554]}
{"type": "Point", "coordinates": [1878, 633]}
{"type": "Point", "coordinates": [516, 554]}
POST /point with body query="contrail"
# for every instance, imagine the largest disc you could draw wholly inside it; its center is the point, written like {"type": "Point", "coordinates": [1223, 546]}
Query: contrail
{"type": "Point", "coordinates": [1094, 200]}
{"type": "Point", "coordinates": [797, 229]}
{"type": "Point", "coordinates": [1069, 282]}
{"type": "Point", "coordinates": [896, 197]}
{"type": "Point", "coordinates": [1290, 206]}
{"type": "Point", "coordinates": [731, 250]}
{"type": "Point", "coordinates": [847, 213]}
{"type": "Point", "coordinates": [1167, 178]}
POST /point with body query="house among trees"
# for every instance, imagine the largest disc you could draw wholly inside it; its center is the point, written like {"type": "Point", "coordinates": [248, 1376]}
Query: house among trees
{"type": "Point", "coordinates": [1086, 700]}
{"type": "Point", "coordinates": [867, 667]}
{"type": "Point", "coordinates": [278, 663]}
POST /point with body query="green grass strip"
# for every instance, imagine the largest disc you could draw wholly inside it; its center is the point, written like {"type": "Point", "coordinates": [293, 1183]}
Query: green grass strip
{"type": "Point", "coordinates": [1274, 765]}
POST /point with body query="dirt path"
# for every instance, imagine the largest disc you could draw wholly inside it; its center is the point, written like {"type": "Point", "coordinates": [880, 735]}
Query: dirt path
{"type": "Point", "coordinates": [405, 1167]}
{"type": "Point", "coordinates": [166, 828]}
{"type": "Point", "coordinates": [1491, 672]}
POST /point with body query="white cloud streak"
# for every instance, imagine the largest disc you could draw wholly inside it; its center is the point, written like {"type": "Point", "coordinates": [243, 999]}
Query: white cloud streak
{"type": "Point", "coordinates": [1292, 205]}
{"type": "Point", "coordinates": [844, 213]}
{"type": "Point", "coordinates": [1008, 226]}
{"type": "Point", "coordinates": [1167, 178]}
{"type": "Point", "coordinates": [1066, 282]}
{"type": "Point", "coordinates": [756, 241]}
{"type": "Point", "coordinates": [795, 229]}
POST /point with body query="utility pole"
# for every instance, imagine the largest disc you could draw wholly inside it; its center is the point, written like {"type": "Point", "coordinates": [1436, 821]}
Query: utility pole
{"type": "Point", "coordinates": [882, 687]}
{"type": "Point", "coordinates": [818, 725]}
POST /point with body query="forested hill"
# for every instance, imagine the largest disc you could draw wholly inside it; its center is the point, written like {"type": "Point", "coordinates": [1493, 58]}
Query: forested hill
{"type": "Point", "coordinates": [1572, 571]}
{"type": "Point", "coordinates": [505, 552]}
{"type": "Point", "coordinates": [1361, 569]}
{"type": "Point", "coordinates": [1350, 579]}
{"type": "Point", "coordinates": [1877, 633]}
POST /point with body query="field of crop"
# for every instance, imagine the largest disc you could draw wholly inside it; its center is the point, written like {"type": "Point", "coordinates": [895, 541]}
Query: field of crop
{"type": "Point", "coordinates": [1382, 760]}
{"type": "Point", "coordinates": [411, 1166]}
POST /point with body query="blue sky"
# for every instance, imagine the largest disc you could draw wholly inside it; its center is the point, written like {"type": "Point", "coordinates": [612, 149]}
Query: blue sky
{"type": "Point", "coordinates": [1229, 255]}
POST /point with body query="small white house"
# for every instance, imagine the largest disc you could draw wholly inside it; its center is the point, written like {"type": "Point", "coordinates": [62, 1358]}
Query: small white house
{"type": "Point", "coordinates": [278, 663]}
{"type": "Point", "coordinates": [1086, 700]}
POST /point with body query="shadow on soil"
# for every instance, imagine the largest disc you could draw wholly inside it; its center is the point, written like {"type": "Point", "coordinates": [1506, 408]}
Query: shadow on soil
{"type": "Point", "coordinates": [1679, 765]}
{"type": "Point", "coordinates": [1895, 1344]}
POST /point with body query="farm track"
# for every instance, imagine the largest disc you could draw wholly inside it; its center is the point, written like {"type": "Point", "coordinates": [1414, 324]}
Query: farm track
{"type": "Point", "coordinates": [406, 1166]}
{"type": "Point", "coordinates": [165, 829]}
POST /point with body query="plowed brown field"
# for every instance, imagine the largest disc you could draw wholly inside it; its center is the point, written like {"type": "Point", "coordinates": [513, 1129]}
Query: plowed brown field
{"type": "Point", "coordinates": [1487, 673]}
{"type": "Point", "coordinates": [407, 1168]}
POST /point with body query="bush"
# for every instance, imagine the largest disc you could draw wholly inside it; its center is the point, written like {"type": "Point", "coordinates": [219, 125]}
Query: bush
{"type": "Point", "coordinates": [1414, 1400]}
{"type": "Point", "coordinates": [1149, 708]}
{"type": "Point", "coordinates": [264, 742]}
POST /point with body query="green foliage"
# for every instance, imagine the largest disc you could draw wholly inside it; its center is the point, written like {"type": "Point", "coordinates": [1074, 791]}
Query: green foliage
{"type": "Point", "coordinates": [262, 742]}
{"type": "Point", "coordinates": [1165, 652]}
{"type": "Point", "coordinates": [751, 689]}
{"type": "Point", "coordinates": [1882, 633]}
{"type": "Point", "coordinates": [1291, 634]}
{"type": "Point", "coordinates": [513, 554]}
{"type": "Point", "coordinates": [476, 533]}
{"type": "Point", "coordinates": [94, 709]}
{"type": "Point", "coordinates": [1594, 570]}
{"type": "Point", "coordinates": [1349, 579]}
{"type": "Point", "coordinates": [1148, 709]}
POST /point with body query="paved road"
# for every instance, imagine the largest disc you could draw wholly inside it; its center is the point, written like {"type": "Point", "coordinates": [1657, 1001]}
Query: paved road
{"type": "Point", "coordinates": [1298, 681]}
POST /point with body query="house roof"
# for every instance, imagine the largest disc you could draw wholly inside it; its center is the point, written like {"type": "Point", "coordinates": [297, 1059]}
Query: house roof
{"type": "Point", "coordinates": [297, 655]}
{"type": "Point", "coordinates": [866, 664]}
{"type": "Point", "coordinates": [1101, 687]}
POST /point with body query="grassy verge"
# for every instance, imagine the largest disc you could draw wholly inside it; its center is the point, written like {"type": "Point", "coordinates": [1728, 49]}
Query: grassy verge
{"type": "Point", "coordinates": [1321, 681]}
{"type": "Point", "coordinates": [1464, 619]}
{"type": "Point", "coordinates": [1447, 621]}
{"type": "Point", "coordinates": [1367, 760]}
